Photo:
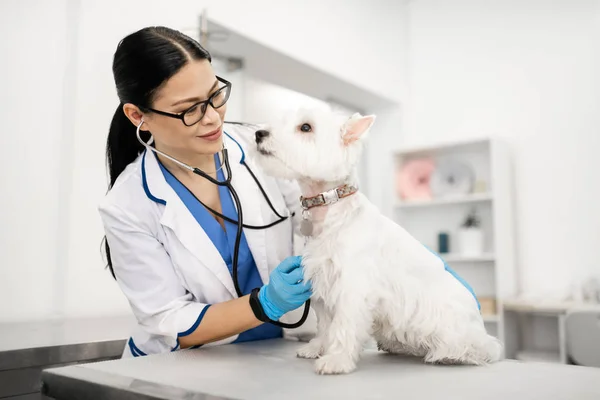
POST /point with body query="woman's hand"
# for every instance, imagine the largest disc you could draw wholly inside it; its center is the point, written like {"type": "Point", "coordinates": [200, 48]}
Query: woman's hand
{"type": "Point", "coordinates": [287, 290]}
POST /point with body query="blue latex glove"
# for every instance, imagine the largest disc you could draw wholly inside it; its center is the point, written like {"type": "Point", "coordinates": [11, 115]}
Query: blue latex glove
{"type": "Point", "coordinates": [286, 289]}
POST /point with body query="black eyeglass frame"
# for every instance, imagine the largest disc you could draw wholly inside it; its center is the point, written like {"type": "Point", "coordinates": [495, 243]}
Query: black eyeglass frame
{"type": "Point", "coordinates": [204, 103]}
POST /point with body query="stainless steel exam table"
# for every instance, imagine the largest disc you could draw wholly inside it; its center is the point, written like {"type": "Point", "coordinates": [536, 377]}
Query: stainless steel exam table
{"type": "Point", "coordinates": [27, 348]}
{"type": "Point", "coordinates": [269, 370]}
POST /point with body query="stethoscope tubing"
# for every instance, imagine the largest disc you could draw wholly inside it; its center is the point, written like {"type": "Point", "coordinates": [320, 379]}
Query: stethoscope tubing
{"type": "Point", "coordinates": [239, 223]}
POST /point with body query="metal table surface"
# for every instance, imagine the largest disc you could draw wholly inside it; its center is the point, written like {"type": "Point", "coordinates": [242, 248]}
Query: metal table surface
{"type": "Point", "coordinates": [38, 343]}
{"type": "Point", "coordinates": [269, 370]}
{"type": "Point", "coordinates": [26, 348]}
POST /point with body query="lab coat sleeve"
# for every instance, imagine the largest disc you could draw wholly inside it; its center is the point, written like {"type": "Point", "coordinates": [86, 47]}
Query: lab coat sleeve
{"type": "Point", "coordinates": [145, 274]}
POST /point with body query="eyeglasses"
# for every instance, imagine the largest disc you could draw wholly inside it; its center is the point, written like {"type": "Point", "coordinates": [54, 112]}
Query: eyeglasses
{"type": "Point", "coordinates": [195, 113]}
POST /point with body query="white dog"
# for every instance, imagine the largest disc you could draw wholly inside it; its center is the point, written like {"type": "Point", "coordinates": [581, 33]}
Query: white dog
{"type": "Point", "coordinates": [370, 277]}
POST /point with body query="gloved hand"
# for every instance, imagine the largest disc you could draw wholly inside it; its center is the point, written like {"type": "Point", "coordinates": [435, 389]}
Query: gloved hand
{"type": "Point", "coordinates": [286, 290]}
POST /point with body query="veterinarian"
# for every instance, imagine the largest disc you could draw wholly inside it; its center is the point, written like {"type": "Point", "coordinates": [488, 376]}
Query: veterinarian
{"type": "Point", "coordinates": [171, 232]}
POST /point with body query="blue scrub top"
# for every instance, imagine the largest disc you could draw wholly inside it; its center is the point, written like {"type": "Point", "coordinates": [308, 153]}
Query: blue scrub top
{"type": "Point", "coordinates": [224, 241]}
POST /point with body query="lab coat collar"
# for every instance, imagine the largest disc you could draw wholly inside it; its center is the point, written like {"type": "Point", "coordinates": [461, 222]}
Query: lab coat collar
{"type": "Point", "coordinates": [177, 217]}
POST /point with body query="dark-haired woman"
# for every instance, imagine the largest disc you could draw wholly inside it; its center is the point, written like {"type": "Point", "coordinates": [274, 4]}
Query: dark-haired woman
{"type": "Point", "coordinates": [170, 232]}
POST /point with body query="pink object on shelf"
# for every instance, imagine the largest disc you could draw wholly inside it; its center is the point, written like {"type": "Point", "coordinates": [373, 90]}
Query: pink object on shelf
{"type": "Point", "coordinates": [412, 180]}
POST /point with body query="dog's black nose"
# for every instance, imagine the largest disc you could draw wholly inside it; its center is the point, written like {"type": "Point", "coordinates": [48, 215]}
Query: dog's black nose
{"type": "Point", "coordinates": [260, 135]}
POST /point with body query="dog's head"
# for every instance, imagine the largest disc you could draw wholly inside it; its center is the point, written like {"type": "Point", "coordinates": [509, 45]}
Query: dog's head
{"type": "Point", "coordinates": [316, 144]}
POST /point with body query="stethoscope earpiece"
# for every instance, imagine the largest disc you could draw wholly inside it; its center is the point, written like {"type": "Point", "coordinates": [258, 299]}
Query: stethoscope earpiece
{"type": "Point", "coordinates": [138, 130]}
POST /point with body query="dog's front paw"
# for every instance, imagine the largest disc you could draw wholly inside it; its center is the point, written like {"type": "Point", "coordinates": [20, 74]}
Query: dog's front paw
{"type": "Point", "coordinates": [312, 349]}
{"type": "Point", "coordinates": [335, 364]}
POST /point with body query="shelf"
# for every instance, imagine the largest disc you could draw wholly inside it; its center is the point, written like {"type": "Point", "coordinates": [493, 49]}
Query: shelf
{"type": "Point", "coordinates": [537, 307]}
{"type": "Point", "coordinates": [490, 318]}
{"type": "Point", "coordinates": [538, 356]}
{"type": "Point", "coordinates": [443, 147]}
{"type": "Point", "coordinates": [545, 307]}
{"type": "Point", "coordinates": [455, 258]}
{"type": "Point", "coordinates": [466, 199]}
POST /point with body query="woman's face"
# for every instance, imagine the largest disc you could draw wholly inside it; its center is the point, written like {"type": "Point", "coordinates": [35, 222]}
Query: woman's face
{"type": "Point", "coordinates": [195, 82]}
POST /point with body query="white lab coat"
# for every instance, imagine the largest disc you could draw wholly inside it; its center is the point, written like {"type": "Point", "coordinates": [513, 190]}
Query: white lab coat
{"type": "Point", "coordinates": [166, 265]}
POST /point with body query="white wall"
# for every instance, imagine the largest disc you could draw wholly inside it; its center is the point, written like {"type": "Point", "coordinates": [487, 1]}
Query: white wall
{"type": "Point", "coordinates": [529, 72]}
{"type": "Point", "coordinates": [526, 71]}
{"type": "Point", "coordinates": [31, 139]}
{"type": "Point", "coordinates": [52, 232]}
{"type": "Point", "coordinates": [265, 99]}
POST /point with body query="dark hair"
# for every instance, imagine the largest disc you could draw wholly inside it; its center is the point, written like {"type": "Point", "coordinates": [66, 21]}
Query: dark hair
{"type": "Point", "coordinates": [143, 62]}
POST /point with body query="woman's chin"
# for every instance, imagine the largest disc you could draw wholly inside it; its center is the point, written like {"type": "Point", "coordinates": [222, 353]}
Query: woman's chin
{"type": "Point", "coordinates": [207, 147]}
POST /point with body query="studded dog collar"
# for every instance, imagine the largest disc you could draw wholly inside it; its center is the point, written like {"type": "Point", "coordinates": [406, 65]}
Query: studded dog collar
{"type": "Point", "coordinates": [328, 197]}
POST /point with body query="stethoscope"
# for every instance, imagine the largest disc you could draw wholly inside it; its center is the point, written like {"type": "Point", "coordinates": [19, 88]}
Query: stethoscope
{"type": "Point", "coordinates": [238, 205]}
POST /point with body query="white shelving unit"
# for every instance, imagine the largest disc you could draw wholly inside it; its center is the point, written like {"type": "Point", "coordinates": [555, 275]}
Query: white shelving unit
{"type": "Point", "coordinates": [492, 274]}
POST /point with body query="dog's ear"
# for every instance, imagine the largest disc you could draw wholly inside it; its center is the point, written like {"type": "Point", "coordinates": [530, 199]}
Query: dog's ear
{"type": "Point", "coordinates": [356, 127]}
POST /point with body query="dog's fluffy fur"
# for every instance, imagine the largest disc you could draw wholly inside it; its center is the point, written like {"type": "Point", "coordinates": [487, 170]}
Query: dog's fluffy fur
{"type": "Point", "coordinates": [370, 277]}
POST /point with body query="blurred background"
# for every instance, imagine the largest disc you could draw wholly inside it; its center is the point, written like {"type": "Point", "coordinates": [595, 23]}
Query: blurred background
{"type": "Point", "coordinates": [485, 145]}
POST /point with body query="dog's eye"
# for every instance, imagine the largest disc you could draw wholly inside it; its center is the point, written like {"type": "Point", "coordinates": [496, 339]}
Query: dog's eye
{"type": "Point", "coordinates": [306, 128]}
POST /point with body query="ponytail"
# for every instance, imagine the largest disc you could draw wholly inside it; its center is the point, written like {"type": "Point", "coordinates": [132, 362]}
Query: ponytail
{"type": "Point", "coordinates": [122, 148]}
{"type": "Point", "coordinates": [122, 145]}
